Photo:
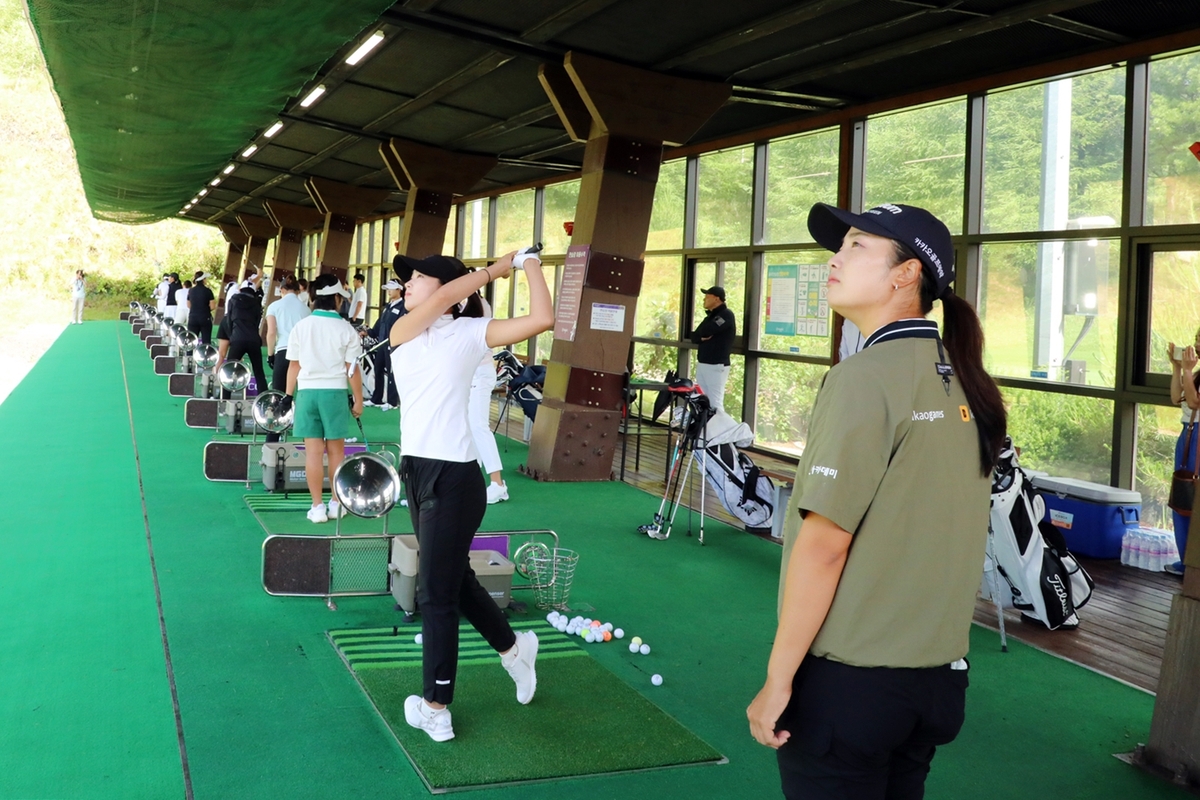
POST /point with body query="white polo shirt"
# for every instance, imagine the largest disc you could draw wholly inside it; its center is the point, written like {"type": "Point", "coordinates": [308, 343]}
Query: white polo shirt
{"type": "Point", "coordinates": [287, 311]}
{"type": "Point", "coordinates": [433, 378]}
{"type": "Point", "coordinates": [324, 344]}
{"type": "Point", "coordinates": [358, 303]}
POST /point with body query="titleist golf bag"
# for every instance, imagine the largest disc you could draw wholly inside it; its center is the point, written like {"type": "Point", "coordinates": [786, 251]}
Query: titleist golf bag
{"type": "Point", "coordinates": [1047, 583]}
{"type": "Point", "coordinates": [745, 492]}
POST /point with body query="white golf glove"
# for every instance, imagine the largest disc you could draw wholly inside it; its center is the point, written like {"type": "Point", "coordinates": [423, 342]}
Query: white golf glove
{"type": "Point", "coordinates": [525, 254]}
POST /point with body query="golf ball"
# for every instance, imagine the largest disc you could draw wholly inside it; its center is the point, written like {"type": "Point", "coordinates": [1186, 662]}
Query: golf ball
{"type": "Point", "coordinates": [608, 626]}
{"type": "Point", "coordinates": [589, 637]}
{"type": "Point", "coordinates": [561, 626]}
{"type": "Point", "coordinates": [656, 679]}
{"type": "Point", "coordinates": [607, 636]}
{"type": "Point", "coordinates": [587, 622]}
{"type": "Point", "coordinates": [636, 640]}
{"type": "Point", "coordinates": [633, 648]}
{"type": "Point", "coordinates": [644, 649]}
{"type": "Point", "coordinates": [619, 633]}
{"type": "Point", "coordinates": [418, 638]}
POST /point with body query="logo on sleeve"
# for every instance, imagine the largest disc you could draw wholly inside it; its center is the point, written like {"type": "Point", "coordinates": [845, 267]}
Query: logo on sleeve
{"type": "Point", "coordinates": [828, 472]}
{"type": "Point", "coordinates": [928, 416]}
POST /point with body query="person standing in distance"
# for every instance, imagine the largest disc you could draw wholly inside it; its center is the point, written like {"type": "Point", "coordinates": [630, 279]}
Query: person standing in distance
{"type": "Point", "coordinates": [714, 335]}
{"type": "Point", "coordinates": [201, 304]}
{"type": "Point", "coordinates": [282, 316]}
{"type": "Point", "coordinates": [78, 295]}
{"type": "Point", "coordinates": [323, 352]}
{"type": "Point", "coordinates": [887, 524]}
{"type": "Point", "coordinates": [384, 394]}
{"type": "Point", "coordinates": [238, 334]}
{"type": "Point", "coordinates": [1185, 390]}
{"type": "Point", "coordinates": [439, 344]}
{"type": "Point", "coordinates": [358, 301]}
{"type": "Point", "coordinates": [160, 293]}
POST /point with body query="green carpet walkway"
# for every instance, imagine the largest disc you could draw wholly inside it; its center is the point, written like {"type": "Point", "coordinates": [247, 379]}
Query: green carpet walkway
{"type": "Point", "coordinates": [269, 711]}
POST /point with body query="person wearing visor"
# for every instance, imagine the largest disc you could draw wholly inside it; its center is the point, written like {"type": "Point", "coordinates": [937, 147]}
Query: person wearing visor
{"type": "Point", "coordinates": [384, 394]}
{"type": "Point", "coordinates": [200, 305]}
{"type": "Point", "coordinates": [322, 353]}
{"type": "Point", "coordinates": [887, 524]}
{"type": "Point", "coordinates": [438, 345]}
{"type": "Point", "coordinates": [238, 334]}
{"type": "Point", "coordinates": [714, 337]}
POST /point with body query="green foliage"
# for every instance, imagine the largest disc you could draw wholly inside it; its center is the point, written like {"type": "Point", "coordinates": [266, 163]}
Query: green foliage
{"type": "Point", "coordinates": [1062, 434]}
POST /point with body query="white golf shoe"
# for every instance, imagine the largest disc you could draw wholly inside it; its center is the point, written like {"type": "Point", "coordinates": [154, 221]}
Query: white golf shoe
{"type": "Point", "coordinates": [520, 665]}
{"type": "Point", "coordinates": [434, 721]}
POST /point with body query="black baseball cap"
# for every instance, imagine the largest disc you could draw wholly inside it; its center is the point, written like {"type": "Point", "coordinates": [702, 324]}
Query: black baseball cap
{"type": "Point", "coordinates": [715, 291]}
{"type": "Point", "coordinates": [925, 234]}
{"type": "Point", "coordinates": [444, 268]}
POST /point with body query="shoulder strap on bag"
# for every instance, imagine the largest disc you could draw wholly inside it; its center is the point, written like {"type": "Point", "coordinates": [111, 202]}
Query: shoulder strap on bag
{"type": "Point", "coordinates": [1187, 446]}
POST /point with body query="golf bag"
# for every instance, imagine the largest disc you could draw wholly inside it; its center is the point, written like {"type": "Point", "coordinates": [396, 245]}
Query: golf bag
{"type": "Point", "coordinates": [526, 389]}
{"type": "Point", "coordinates": [367, 362]}
{"type": "Point", "coordinates": [1047, 583]}
{"type": "Point", "coordinates": [745, 492]}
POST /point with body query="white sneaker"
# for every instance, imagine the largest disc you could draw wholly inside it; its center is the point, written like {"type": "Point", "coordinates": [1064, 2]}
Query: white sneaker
{"type": "Point", "coordinates": [368, 403]}
{"type": "Point", "coordinates": [497, 492]}
{"type": "Point", "coordinates": [336, 510]}
{"type": "Point", "coordinates": [520, 665]}
{"type": "Point", "coordinates": [386, 407]}
{"type": "Point", "coordinates": [317, 514]}
{"type": "Point", "coordinates": [434, 721]}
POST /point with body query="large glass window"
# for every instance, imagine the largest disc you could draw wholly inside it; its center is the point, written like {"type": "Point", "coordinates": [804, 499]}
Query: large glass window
{"type": "Point", "coordinates": [475, 229]}
{"type": "Point", "coordinates": [918, 157]}
{"type": "Point", "coordinates": [792, 314]}
{"type": "Point", "coordinates": [1065, 435]}
{"type": "Point", "coordinates": [1049, 310]}
{"type": "Point", "coordinates": [514, 221]}
{"type": "Point", "coordinates": [730, 274]}
{"type": "Point", "coordinates": [801, 171]}
{"type": "Point", "coordinates": [786, 393]}
{"type": "Point", "coordinates": [451, 229]}
{"type": "Point", "coordinates": [666, 219]}
{"type": "Point", "coordinates": [658, 303]}
{"type": "Point", "coordinates": [1064, 138]}
{"type": "Point", "coordinates": [521, 307]}
{"type": "Point", "coordinates": [1172, 175]}
{"type": "Point", "coordinates": [1174, 312]}
{"type": "Point", "coordinates": [558, 207]}
{"type": "Point", "coordinates": [651, 363]}
{"type": "Point", "coordinates": [723, 197]}
{"type": "Point", "coordinates": [1158, 429]}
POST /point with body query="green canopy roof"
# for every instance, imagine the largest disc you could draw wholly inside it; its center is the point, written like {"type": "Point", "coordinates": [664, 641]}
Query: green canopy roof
{"type": "Point", "coordinates": [158, 95]}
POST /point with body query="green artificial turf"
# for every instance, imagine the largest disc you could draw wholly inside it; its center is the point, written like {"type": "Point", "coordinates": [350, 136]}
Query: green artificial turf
{"type": "Point", "coordinates": [268, 709]}
{"type": "Point", "coordinates": [583, 720]}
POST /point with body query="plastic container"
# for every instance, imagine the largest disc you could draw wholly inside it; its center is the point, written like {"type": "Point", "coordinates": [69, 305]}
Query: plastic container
{"type": "Point", "coordinates": [495, 573]}
{"type": "Point", "coordinates": [1151, 549]}
{"type": "Point", "coordinates": [1093, 517]}
{"type": "Point", "coordinates": [402, 567]}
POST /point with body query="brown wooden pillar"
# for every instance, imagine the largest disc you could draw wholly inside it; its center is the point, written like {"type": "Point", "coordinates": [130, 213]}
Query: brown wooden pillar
{"type": "Point", "coordinates": [237, 239]}
{"type": "Point", "coordinates": [343, 205]}
{"type": "Point", "coordinates": [431, 176]}
{"type": "Point", "coordinates": [292, 222]}
{"type": "Point", "coordinates": [1174, 744]}
{"type": "Point", "coordinates": [625, 115]}
{"type": "Point", "coordinates": [260, 231]}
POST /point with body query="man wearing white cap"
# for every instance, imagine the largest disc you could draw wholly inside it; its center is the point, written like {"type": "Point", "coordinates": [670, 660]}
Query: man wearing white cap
{"type": "Point", "coordinates": [385, 395]}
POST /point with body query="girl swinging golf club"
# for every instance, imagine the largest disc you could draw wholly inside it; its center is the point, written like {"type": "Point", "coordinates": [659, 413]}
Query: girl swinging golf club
{"type": "Point", "coordinates": [438, 346]}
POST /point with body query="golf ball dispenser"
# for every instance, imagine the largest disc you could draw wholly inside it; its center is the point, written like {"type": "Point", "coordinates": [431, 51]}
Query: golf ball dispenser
{"type": "Point", "coordinates": [236, 461]}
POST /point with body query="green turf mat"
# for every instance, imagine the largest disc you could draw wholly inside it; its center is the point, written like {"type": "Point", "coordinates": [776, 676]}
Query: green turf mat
{"type": "Point", "coordinates": [584, 720]}
{"type": "Point", "coordinates": [286, 515]}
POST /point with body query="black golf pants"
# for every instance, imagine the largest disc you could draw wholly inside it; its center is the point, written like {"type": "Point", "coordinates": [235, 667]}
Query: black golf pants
{"type": "Point", "coordinates": [446, 500]}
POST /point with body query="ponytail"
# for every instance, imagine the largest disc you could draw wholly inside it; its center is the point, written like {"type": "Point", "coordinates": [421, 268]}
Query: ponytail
{"type": "Point", "coordinates": [963, 338]}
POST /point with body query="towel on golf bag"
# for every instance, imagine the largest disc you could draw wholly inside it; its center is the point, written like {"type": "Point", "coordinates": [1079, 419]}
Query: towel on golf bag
{"type": "Point", "coordinates": [1046, 581]}
{"type": "Point", "coordinates": [745, 492]}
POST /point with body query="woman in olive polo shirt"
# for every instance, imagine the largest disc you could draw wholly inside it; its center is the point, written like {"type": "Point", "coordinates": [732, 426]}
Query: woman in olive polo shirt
{"type": "Point", "coordinates": [885, 533]}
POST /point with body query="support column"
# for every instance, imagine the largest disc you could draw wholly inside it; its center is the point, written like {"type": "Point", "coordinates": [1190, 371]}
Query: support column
{"type": "Point", "coordinates": [343, 205]}
{"type": "Point", "coordinates": [237, 239]}
{"type": "Point", "coordinates": [625, 115]}
{"type": "Point", "coordinates": [260, 231]}
{"type": "Point", "coordinates": [431, 176]}
{"type": "Point", "coordinates": [1174, 745]}
{"type": "Point", "coordinates": [292, 222]}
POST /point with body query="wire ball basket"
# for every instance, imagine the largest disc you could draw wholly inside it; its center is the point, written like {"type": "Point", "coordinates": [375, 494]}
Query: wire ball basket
{"type": "Point", "coordinates": [552, 572]}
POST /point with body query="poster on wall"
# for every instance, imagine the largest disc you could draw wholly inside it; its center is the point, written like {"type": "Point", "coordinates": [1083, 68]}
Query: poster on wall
{"type": "Point", "coordinates": [608, 317]}
{"type": "Point", "coordinates": [796, 300]}
{"type": "Point", "coordinates": [566, 317]}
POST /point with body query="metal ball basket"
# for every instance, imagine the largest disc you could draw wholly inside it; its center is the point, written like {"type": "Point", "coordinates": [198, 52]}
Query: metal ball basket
{"type": "Point", "coordinates": [551, 571]}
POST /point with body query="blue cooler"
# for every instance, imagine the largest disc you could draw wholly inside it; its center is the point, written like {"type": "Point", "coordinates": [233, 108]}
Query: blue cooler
{"type": "Point", "coordinates": [1093, 517]}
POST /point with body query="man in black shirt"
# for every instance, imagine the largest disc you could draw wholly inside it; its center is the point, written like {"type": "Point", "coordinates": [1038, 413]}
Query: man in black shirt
{"type": "Point", "coordinates": [242, 319]}
{"type": "Point", "coordinates": [715, 339]}
{"type": "Point", "coordinates": [201, 305]}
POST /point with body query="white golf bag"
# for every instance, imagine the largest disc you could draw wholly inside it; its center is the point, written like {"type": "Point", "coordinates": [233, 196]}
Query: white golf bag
{"type": "Point", "coordinates": [745, 492]}
{"type": "Point", "coordinates": [1047, 583]}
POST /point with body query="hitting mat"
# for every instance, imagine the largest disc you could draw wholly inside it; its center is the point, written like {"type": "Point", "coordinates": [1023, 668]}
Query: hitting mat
{"type": "Point", "coordinates": [583, 720]}
{"type": "Point", "coordinates": [279, 515]}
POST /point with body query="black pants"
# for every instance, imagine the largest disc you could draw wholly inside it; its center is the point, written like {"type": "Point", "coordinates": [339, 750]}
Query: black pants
{"type": "Point", "coordinates": [253, 349]}
{"type": "Point", "coordinates": [866, 733]}
{"type": "Point", "coordinates": [202, 328]}
{"type": "Point", "coordinates": [447, 500]}
{"type": "Point", "coordinates": [279, 382]}
{"type": "Point", "coordinates": [383, 378]}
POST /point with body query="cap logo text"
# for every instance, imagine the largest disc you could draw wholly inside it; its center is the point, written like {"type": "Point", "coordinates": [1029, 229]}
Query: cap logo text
{"type": "Point", "coordinates": [927, 250]}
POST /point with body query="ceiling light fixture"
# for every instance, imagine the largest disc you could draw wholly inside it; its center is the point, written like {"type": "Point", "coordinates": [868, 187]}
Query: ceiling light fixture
{"type": "Point", "coordinates": [367, 46]}
{"type": "Point", "coordinates": [312, 96]}
{"type": "Point", "coordinates": [249, 151]}
{"type": "Point", "coordinates": [274, 129]}
{"type": "Point", "coordinates": [215, 181]}
{"type": "Point", "coordinates": [229, 169]}
{"type": "Point", "coordinates": [202, 192]}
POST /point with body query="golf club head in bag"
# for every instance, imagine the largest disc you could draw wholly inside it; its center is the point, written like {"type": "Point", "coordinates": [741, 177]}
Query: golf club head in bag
{"type": "Point", "coordinates": [508, 367]}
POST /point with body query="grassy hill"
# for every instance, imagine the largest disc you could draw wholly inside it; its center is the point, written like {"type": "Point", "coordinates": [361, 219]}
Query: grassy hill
{"type": "Point", "coordinates": [49, 230]}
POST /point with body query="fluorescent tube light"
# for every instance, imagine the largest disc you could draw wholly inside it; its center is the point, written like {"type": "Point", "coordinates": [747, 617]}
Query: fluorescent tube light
{"type": "Point", "coordinates": [312, 96]}
{"type": "Point", "coordinates": [367, 46]}
{"type": "Point", "coordinates": [249, 151]}
{"type": "Point", "coordinates": [229, 169]}
{"type": "Point", "coordinates": [274, 129]}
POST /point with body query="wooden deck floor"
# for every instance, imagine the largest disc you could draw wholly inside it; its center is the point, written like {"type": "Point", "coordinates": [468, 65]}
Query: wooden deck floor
{"type": "Point", "coordinates": [1122, 629]}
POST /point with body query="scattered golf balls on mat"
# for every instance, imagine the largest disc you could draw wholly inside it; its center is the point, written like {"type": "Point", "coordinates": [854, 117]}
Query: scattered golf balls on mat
{"type": "Point", "coordinates": [656, 679]}
{"type": "Point", "coordinates": [418, 638]}
{"type": "Point", "coordinates": [590, 630]}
